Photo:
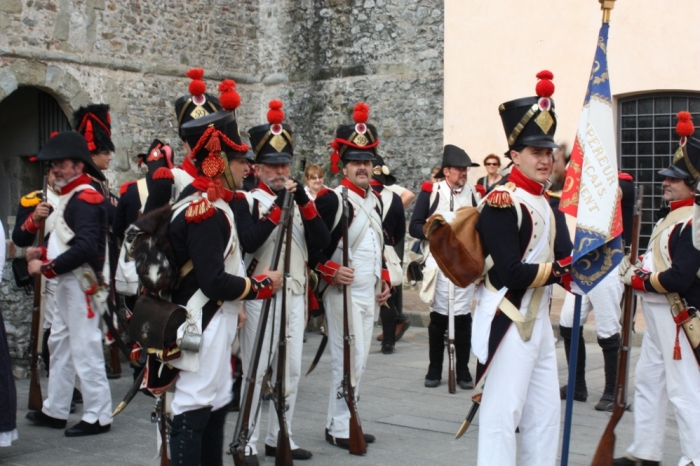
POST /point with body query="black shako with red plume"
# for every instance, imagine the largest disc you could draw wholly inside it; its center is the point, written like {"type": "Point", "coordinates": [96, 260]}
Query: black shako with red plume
{"type": "Point", "coordinates": [358, 141]}
{"type": "Point", "coordinates": [272, 142]}
{"type": "Point", "coordinates": [95, 124]}
{"type": "Point", "coordinates": [686, 160]}
{"type": "Point", "coordinates": [197, 103]}
{"type": "Point", "coordinates": [531, 121]}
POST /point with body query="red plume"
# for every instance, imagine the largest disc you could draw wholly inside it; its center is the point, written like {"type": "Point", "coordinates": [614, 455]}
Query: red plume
{"type": "Point", "coordinates": [197, 86]}
{"type": "Point", "coordinates": [545, 87]}
{"type": "Point", "coordinates": [685, 127]}
{"type": "Point", "coordinates": [275, 115]}
{"type": "Point", "coordinates": [229, 98]}
{"type": "Point", "coordinates": [361, 114]}
{"type": "Point", "coordinates": [53, 133]}
{"type": "Point", "coordinates": [90, 136]}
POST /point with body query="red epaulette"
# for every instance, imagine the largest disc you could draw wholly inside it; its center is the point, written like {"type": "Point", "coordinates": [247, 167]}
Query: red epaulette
{"type": "Point", "coordinates": [625, 176]}
{"type": "Point", "coordinates": [198, 210]}
{"type": "Point", "coordinates": [125, 186]}
{"type": "Point", "coordinates": [239, 196]}
{"type": "Point", "coordinates": [427, 186]}
{"type": "Point", "coordinates": [163, 173]}
{"type": "Point", "coordinates": [91, 196]}
{"type": "Point", "coordinates": [480, 189]}
{"type": "Point", "coordinates": [323, 192]}
{"type": "Point", "coordinates": [499, 198]}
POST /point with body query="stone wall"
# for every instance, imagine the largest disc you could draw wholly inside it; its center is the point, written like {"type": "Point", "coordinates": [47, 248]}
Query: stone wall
{"type": "Point", "coordinates": [319, 56]}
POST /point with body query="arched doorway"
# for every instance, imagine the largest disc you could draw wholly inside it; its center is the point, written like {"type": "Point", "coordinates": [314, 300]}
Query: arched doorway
{"type": "Point", "coordinates": [27, 118]}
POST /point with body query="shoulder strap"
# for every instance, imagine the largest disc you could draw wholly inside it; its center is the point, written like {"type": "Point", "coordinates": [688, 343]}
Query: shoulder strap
{"type": "Point", "coordinates": [143, 191]}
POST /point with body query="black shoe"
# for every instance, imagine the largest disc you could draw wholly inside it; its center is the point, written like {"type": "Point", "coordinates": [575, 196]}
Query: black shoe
{"type": "Point", "coordinates": [83, 428]}
{"type": "Point", "coordinates": [432, 383]}
{"type": "Point", "coordinates": [465, 384]}
{"type": "Point", "coordinates": [606, 403]}
{"type": "Point", "coordinates": [77, 396]}
{"type": "Point", "coordinates": [338, 442]}
{"type": "Point", "coordinates": [41, 419]}
{"type": "Point", "coordinates": [251, 460]}
{"type": "Point", "coordinates": [388, 349]}
{"type": "Point", "coordinates": [297, 454]}
{"type": "Point", "coordinates": [628, 462]}
{"type": "Point", "coordinates": [578, 396]}
{"type": "Point", "coordinates": [369, 438]}
{"type": "Point", "coordinates": [401, 328]}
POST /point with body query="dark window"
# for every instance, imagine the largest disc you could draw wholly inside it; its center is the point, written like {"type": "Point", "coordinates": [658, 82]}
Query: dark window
{"type": "Point", "coordinates": [647, 140]}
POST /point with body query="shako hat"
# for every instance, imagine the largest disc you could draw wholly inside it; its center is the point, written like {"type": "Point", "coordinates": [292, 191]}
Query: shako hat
{"type": "Point", "coordinates": [214, 139]}
{"type": "Point", "coordinates": [453, 156]}
{"type": "Point", "coordinates": [197, 103]}
{"type": "Point", "coordinates": [686, 160]}
{"type": "Point", "coordinates": [158, 159]}
{"type": "Point", "coordinates": [272, 142]}
{"type": "Point", "coordinates": [531, 121]}
{"type": "Point", "coordinates": [358, 141]}
{"type": "Point", "coordinates": [382, 173]}
{"type": "Point", "coordinates": [70, 145]}
{"type": "Point", "coordinates": [95, 124]}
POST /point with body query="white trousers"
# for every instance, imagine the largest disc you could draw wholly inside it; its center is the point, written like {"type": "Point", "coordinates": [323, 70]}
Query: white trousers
{"type": "Point", "coordinates": [296, 322]}
{"type": "Point", "coordinates": [211, 384]}
{"type": "Point", "coordinates": [364, 306]}
{"type": "Point", "coordinates": [521, 390]}
{"type": "Point", "coordinates": [463, 296]}
{"type": "Point", "coordinates": [75, 345]}
{"type": "Point", "coordinates": [658, 379]}
{"type": "Point", "coordinates": [50, 301]}
{"type": "Point", "coordinates": [604, 299]}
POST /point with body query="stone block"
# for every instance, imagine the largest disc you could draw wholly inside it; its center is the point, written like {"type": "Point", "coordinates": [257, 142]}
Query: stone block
{"type": "Point", "coordinates": [11, 6]}
{"type": "Point", "coordinates": [29, 73]}
{"type": "Point", "coordinates": [61, 27]}
{"type": "Point", "coordinates": [275, 78]}
{"type": "Point", "coordinates": [8, 81]}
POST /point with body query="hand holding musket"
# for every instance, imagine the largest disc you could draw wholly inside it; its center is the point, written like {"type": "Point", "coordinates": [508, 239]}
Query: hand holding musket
{"type": "Point", "coordinates": [357, 438]}
{"type": "Point", "coordinates": [606, 447]}
{"type": "Point", "coordinates": [35, 402]}
{"type": "Point", "coordinates": [242, 433]}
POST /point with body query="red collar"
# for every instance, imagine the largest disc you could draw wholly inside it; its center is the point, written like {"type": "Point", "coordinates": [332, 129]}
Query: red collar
{"type": "Point", "coordinates": [688, 202]}
{"type": "Point", "coordinates": [201, 183]}
{"type": "Point", "coordinates": [376, 184]}
{"type": "Point", "coordinates": [189, 167]}
{"type": "Point", "coordinates": [264, 187]}
{"type": "Point", "coordinates": [354, 188]}
{"type": "Point", "coordinates": [82, 179]}
{"type": "Point", "coordinates": [521, 181]}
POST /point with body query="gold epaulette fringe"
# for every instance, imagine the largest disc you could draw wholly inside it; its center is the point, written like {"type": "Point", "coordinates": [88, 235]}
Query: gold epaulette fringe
{"type": "Point", "coordinates": [31, 199]}
{"type": "Point", "coordinates": [198, 210]}
{"type": "Point", "coordinates": [500, 199]}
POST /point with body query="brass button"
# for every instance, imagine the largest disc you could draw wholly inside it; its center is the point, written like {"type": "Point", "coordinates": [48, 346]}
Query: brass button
{"type": "Point", "coordinates": [219, 303]}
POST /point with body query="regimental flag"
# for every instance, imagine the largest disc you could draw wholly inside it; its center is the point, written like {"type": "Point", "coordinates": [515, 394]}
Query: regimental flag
{"type": "Point", "coordinates": [591, 191]}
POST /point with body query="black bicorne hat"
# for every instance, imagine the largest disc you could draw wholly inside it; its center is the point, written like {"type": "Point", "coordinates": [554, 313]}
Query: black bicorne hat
{"type": "Point", "coordinates": [272, 142]}
{"type": "Point", "coordinates": [197, 103]}
{"type": "Point", "coordinates": [159, 155]}
{"type": "Point", "coordinates": [70, 145]}
{"type": "Point", "coordinates": [355, 142]}
{"type": "Point", "coordinates": [382, 173]}
{"type": "Point", "coordinates": [686, 160]}
{"type": "Point", "coordinates": [95, 124]}
{"type": "Point", "coordinates": [453, 156]}
{"type": "Point", "coordinates": [531, 121]}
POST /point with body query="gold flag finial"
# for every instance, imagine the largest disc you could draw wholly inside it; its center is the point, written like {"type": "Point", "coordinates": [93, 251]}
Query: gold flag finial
{"type": "Point", "coordinates": [606, 6]}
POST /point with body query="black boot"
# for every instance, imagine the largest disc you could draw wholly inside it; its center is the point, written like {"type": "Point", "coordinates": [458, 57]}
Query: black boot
{"type": "Point", "coordinates": [45, 349]}
{"type": "Point", "coordinates": [213, 438]}
{"type": "Point", "coordinates": [237, 382]}
{"type": "Point", "coordinates": [186, 437]}
{"type": "Point", "coordinates": [388, 316]}
{"type": "Point", "coordinates": [580, 389]}
{"type": "Point", "coordinates": [463, 343]}
{"type": "Point", "coordinates": [436, 341]}
{"type": "Point", "coordinates": [610, 347]}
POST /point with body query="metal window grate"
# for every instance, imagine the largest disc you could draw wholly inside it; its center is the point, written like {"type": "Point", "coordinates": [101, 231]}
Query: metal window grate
{"type": "Point", "coordinates": [647, 140]}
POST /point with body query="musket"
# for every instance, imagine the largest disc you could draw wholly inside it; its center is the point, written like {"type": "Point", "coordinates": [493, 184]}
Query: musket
{"type": "Point", "coordinates": [450, 337]}
{"type": "Point", "coordinates": [242, 432]}
{"type": "Point", "coordinates": [357, 438]}
{"type": "Point", "coordinates": [606, 447]}
{"type": "Point", "coordinates": [35, 401]}
{"type": "Point", "coordinates": [160, 416]}
{"type": "Point", "coordinates": [283, 454]}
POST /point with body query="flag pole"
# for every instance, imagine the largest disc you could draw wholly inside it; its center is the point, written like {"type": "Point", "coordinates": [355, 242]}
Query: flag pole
{"type": "Point", "coordinates": [607, 6]}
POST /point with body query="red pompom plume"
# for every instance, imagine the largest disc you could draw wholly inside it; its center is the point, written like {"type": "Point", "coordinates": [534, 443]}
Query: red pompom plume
{"type": "Point", "coordinates": [229, 98]}
{"type": "Point", "coordinates": [275, 115]}
{"type": "Point", "coordinates": [545, 86]}
{"type": "Point", "coordinates": [685, 127]}
{"type": "Point", "coordinates": [197, 86]}
{"type": "Point", "coordinates": [361, 114]}
{"type": "Point", "coordinates": [54, 133]}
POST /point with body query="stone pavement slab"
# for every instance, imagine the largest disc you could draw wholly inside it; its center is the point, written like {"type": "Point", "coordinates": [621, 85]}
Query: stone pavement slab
{"type": "Point", "coordinates": [414, 425]}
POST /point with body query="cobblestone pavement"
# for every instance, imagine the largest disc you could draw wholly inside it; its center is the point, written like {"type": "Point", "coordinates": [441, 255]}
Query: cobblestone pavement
{"type": "Point", "coordinates": [414, 425]}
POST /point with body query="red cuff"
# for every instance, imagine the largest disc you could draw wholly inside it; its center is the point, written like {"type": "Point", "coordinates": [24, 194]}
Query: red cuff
{"type": "Point", "coordinates": [261, 286]}
{"type": "Point", "coordinates": [275, 214]}
{"type": "Point", "coordinates": [29, 225]}
{"type": "Point", "coordinates": [386, 277]}
{"type": "Point", "coordinates": [328, 271]}
{"type": "Point", "coordinates": [566, 281]}
{"type": "Point", "coordinates": [637, 283]}
{"type": "Point", "coordinates": [47, 269]}
{"type": "Point", "coordinates": [308, 211]}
